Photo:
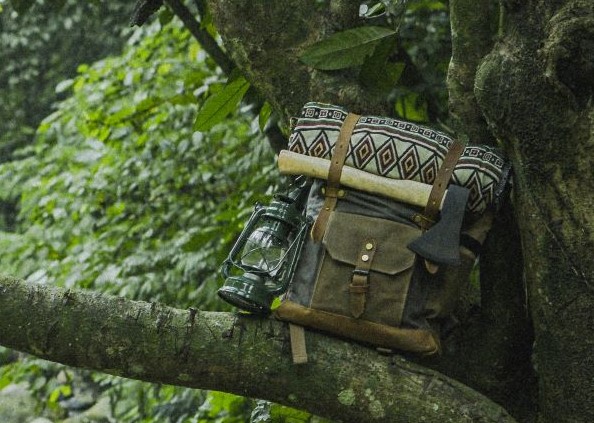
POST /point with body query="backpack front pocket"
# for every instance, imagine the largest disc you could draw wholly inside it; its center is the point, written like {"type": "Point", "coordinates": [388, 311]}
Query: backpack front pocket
{"type": "Point", "coordinates": [366, 268]}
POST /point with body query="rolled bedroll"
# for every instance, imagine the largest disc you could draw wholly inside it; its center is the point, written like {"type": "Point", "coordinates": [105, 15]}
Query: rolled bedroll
{"type": "Point", "coordinates": [391, 149]}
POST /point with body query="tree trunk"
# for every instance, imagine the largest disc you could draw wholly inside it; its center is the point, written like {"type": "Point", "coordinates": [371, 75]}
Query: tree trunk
{"type": "Point", "coordinates": [496, 345]}
{"type": "Point", "coordinates": [245, 355]}
{"type": "Point", "coordinates": [265, 39]}
{"type": "Point", "coordinates": [535, 89]}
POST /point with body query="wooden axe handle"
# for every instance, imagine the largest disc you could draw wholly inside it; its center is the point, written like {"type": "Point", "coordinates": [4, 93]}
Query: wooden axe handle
{"type": "Point", "coordinates": [410, 192]}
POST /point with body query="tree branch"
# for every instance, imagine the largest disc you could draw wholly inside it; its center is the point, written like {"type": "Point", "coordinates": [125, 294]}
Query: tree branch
{"type": "Point", "coordinates": [240, 354]}
{"type": "Point", "coordinates": [208, 43]}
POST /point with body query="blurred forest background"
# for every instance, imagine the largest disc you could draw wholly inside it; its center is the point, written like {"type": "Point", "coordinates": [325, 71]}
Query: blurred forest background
{"type": "Point", "coordinates": [106, 185]}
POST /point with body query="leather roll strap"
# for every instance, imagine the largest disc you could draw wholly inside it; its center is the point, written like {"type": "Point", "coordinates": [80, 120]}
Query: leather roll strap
{"type": "Point", "coordinates": [360, 281]}
{"type": "Point", "coordinates": [333, 183]}
{"type": "Point", "coordinates": [442, 180]}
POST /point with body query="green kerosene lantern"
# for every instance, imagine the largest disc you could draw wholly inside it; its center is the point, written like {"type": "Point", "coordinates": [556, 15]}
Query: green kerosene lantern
{"type": "Point", "coordinates": [263, 259]}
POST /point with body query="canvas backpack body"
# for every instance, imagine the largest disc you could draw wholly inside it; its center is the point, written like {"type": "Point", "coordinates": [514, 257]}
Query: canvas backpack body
{"type": "Point", "coordinates": [360, 275]}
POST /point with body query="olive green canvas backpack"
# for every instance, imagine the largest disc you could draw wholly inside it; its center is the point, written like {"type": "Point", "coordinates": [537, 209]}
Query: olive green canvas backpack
{"type": "Point", "coordinates": [399, 214]}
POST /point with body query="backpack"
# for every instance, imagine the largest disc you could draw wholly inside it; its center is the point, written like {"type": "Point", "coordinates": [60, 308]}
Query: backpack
{"type": "Point", "coordinates": [399, 214]}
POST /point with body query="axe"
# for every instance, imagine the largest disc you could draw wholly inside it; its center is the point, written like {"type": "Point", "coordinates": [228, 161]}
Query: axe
{"type": "Point", "coordinates": [439, 244]}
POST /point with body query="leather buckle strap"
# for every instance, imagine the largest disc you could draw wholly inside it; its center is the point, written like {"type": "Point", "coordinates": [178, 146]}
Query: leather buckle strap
{"type": "Point", "coordinates": [442, 180]}
{"type": "Point", "coordinates": [332, 193]}
{"type": "Point", "coordinates": [360, 280]}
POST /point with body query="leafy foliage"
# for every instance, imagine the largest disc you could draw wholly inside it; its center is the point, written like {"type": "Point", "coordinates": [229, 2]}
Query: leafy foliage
{"type": "Point", "coordinates": [42, 43]}
{"type": "Point", "coordinates": [119, 194]}
{"type": "Point", "coordinates": [425, 50]}
{"type": "Point", "coordinates": [403, 51]}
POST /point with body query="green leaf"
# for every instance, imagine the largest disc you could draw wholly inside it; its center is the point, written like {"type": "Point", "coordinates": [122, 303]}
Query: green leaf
{"type": "Point", "coordinates": [218, 106]}
{"type": "Point", "coordinates": [165, 16]}
{"type": "Point", "coordinates": [64, 86]}
{"type": "Point", "coordinates": [345, 49]}
{"type": "Point", "coordinates": [60, 392]}
{"type": "Point", "coordinates": [377, 73]}
{"type": "Point", "coordinates": [412, 106]}
{"type": "Point", "coordinates": [376, 10]}
{"type": "Point", "coordinates": [264, 115]}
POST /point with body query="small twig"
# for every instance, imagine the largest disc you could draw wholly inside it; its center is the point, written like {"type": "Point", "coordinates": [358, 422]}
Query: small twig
{"type": "Point", "coordinates": [201, 7]}
{"type": "Point", "coordinates": [207, 42]}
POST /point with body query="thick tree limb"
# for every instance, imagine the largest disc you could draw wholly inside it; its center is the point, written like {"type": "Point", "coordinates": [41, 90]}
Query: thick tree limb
{"type": "Point", "coordinates": [243, 355]}
{"type": "Point", "coordinates": [208, 43]}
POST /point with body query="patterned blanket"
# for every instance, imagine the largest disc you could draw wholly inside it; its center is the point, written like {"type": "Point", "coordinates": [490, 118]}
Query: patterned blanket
{"type": "Point", "coordinates": [402, 150]}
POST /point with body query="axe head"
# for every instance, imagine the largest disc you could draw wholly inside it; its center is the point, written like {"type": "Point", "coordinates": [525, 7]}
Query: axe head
{"type": "Point", "coordinates": [441, 243]}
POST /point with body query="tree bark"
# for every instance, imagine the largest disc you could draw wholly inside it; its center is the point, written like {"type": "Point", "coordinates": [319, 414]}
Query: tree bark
{"type": "Point", "coordinates": [265, 40]}
{"type": "Point", "coordinates": [239, 354]}
{"type": "Point", "coordinates": [496, 345]}
{"type": "Point", "coordinates": [535, 89]}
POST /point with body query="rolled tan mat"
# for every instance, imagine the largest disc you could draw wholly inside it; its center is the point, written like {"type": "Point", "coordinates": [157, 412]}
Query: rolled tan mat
{"type": "Point", "coordinates": [410, 192]}
{"type": "Point", "coordinates": [420, 341]}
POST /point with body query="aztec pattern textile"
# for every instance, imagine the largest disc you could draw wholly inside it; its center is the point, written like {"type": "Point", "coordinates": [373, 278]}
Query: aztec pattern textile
{"type": "Point", "coordinates": [402, 150]}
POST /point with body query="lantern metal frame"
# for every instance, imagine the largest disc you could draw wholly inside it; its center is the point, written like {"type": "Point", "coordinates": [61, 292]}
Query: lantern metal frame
{"type": "Point", "coordinates": [252, 291]}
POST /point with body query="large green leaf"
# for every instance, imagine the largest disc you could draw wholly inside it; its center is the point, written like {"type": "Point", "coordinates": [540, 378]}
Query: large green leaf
{"type": "Point", "coordinates": [264, 115]}
{"type": "Point", "coordinates": [218, 106]}
{"type": "Point", "coordinates": [345, 49]}
{"type": "Point", "coordinates": [378, 73]}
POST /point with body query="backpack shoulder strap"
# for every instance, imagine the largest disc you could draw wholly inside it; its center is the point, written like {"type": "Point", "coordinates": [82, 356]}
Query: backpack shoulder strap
{"type": "Point", "coordinates": [337, 160]}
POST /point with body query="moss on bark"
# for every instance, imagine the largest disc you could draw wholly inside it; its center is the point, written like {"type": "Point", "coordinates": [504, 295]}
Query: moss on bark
{"type": "Point", "coordinates": [546, 127]}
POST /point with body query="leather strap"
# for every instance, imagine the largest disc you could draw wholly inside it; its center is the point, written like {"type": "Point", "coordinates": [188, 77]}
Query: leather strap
{"type": "Point", "coordinates": [298, 348]}
{"type": "Point", "coordinates": [332, 192]}
{"type": "Point", "coordinates": [442, 180]}
{"type": "Point", "coordinates": [360, 281]}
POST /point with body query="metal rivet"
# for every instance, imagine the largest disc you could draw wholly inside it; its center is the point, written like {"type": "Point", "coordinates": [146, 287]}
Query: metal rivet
{"type": "Point", "coordinates": [365, 257]}
{"type": "Point", "coordinates": [369, 246]}
{"type": "Point", "coordinates": [323, 190]}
